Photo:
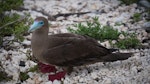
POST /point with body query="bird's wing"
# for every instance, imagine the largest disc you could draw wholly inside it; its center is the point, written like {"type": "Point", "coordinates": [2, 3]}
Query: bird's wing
{"type": "Point", "coordinates": [73, 50]}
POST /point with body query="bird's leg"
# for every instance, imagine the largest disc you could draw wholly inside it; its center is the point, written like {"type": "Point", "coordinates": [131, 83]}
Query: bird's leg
{"type": "Point", "coordinates": [61, 74]}
{"type": "Point", "coordinates": [57, 76]}
{"type": "Point", "coordinates": [44, 68]}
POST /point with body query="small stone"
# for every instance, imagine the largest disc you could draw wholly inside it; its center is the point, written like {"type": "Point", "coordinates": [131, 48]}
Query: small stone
{"type": "Point", "coordinates": [49, 82]}
{"type": "Point", "coordinates": [81, 80]}
{"type": "Point", "coordinates": [15, 76]}
{"type": "Point", "coordinates": [145, 34]}
{"type": "Point", "coordinates": [134, 70]}
{"type": "Point", "coordinates": [30, 81]}
{"type": "Point", "coordinates": [56, 82]}
{"type": "Point", "coordinates": [28, 37]}
{"type": "Point", "coordinates": [144, 3]}
{"type": "Point", "coordinates": [31, 75]}
{"type": "Point", "coordinates": [22, 64]}
{"type": "Point", "coordinates": [63, 31]}
{"type": "Point", "coordinates": [107, 81]}
{"type": "Point", "coordinates": [147, 26]}
{"type": "Point", "coordinates": [139, 69]}
{"type": "Point", "coordinates": [121, 36]}
{"type": "Point", "coordinates": [94, 75]}
{"type": "Point", "coordinates": [16, 44]}
{"type": "Point", "coordinates": [97, 79]}
{"type": "Point", "coordinates": [60, 18]}
{"type": "Point", "coordinates": [36, 79]}
{"type": "Point", "coordinates": [106, 44]}
{"type": "Point", "coordinates": [26, 42]}
{"type": "Point", "coordinates": [113, 41]}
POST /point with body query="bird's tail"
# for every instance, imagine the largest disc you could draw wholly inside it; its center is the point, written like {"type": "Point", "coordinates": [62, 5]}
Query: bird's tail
{"type": "Point", "coordinates": [116, 56]}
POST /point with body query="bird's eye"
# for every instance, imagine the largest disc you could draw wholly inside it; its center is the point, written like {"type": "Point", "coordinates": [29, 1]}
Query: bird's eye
{"type": "Point", "coordinates": [41, 22]}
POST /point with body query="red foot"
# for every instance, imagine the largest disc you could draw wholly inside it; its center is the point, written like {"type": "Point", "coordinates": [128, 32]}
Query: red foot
{"type": "Point", "coordinates": [57, 76]}
{"type": "Point", "coordinates": [46, 68]}
{"type": "Point", "coordinates": [49, 68]}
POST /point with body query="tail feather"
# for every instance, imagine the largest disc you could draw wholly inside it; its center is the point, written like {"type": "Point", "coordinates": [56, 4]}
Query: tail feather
{"type": "Point", "coordinates": [116, 56]}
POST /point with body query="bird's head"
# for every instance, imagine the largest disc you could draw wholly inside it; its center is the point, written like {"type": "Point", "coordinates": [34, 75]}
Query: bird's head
{"type": "Point", "coordinates": [39, 23]}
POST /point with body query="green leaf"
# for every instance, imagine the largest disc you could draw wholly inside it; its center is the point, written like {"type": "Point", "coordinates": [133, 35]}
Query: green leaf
{"type": "Point", "coordinates": [23, 76]}
{"type": "Point", "coordinates": [33, 69]}
{"type": "Point", "coordinates": [95, 30]}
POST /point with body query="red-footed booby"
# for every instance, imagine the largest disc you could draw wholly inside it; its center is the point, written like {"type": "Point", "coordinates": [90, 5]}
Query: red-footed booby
{"type": "Point", "coordinates": [68, 50]}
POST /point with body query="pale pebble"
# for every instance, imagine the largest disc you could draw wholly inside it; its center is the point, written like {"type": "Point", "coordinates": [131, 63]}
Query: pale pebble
{"type": "Point", "coordinates": [106, 44]}
{"type": "Point", "coordinates": [30, 81]}
{"type": "Point", "coordinates": [56, 82]}
{"type": "Point", "coordinates": [49, 82]}
{"type": "Point", "coordinates": [26, 42]}
{"type": "Point", "coordinates": [121, 36]}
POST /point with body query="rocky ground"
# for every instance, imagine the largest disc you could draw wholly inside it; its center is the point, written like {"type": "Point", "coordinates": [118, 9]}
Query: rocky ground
{"type": "Point", "coordinates": [135, 70]}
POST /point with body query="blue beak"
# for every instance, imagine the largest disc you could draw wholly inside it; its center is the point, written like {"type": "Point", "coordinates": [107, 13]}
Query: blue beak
{"type": "Point", "coordinates": [34, 26]}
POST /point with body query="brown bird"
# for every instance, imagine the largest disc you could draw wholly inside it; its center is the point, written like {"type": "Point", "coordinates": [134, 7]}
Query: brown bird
{"type": "Point", "coordinates": [68, 50]}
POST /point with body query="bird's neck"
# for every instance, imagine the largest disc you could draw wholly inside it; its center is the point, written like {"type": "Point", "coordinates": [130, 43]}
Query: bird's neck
{"type": "Point", "coordinates": [39, 42]}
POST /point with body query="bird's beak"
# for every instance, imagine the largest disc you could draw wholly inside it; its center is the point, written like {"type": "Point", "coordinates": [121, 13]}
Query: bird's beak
{"type": "Point", "coordinates": [33, 27]}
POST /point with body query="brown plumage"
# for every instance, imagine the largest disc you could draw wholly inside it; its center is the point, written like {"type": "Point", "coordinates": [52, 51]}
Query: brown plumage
{"type": "Point", "coordinates": [69, 50]}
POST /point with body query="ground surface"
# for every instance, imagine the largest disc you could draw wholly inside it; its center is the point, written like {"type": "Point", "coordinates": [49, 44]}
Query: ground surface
{"type": "Point", "coordinates": [135, 70]}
